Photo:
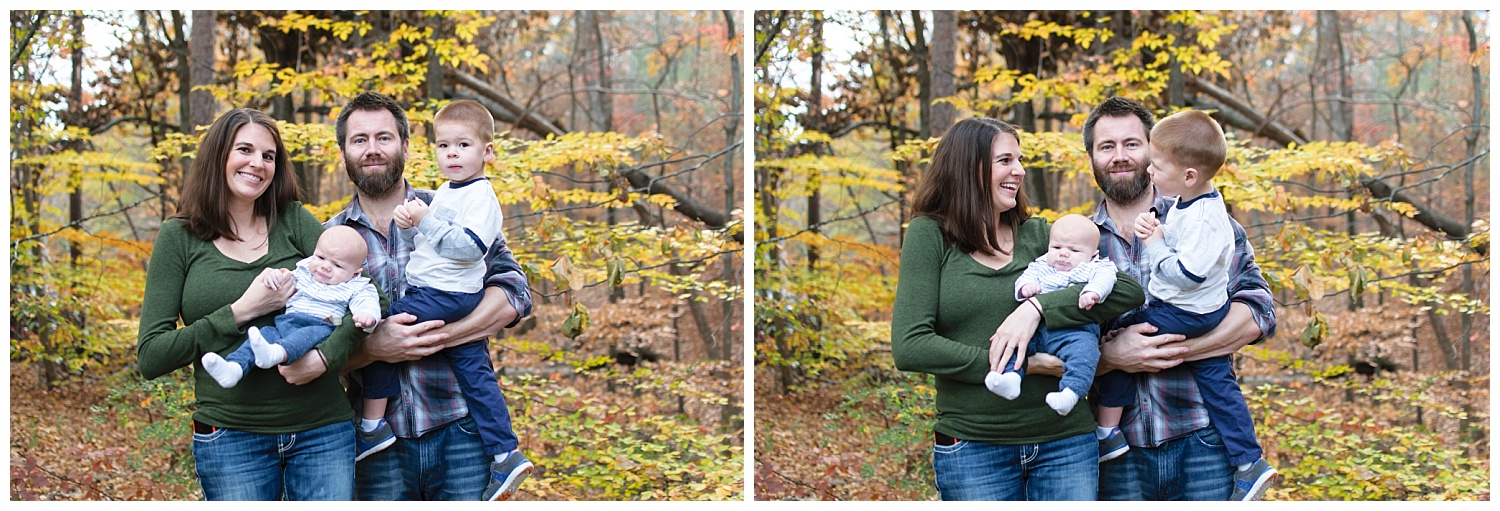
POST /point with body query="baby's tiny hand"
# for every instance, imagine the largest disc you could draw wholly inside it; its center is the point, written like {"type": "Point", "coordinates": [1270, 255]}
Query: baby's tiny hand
{"type": "Point", "coordinates": [1030, 289]}
{"type": "Point", "coordinates": [1087, 299]}
{"type": "Point", "coordinates": [364, 320]}
{"type": "Point", "coordinates": [279, 277]}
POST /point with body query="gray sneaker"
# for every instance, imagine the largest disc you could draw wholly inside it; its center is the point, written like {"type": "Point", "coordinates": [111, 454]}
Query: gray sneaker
{"type": "Point", "coordinates": [506, 476]}
{"type": "Point", "coordinates": [1112, 446]}
{"type": "Point", "coordinates": [1251, 483]}
{"type": "Point", "coordinates": [371, 442]}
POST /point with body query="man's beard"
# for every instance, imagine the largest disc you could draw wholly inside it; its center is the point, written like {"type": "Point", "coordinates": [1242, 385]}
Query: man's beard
{"type": "Point", "coordinates": [1123, 191]}
{"type": "Point", "coordinates": [376, 184]}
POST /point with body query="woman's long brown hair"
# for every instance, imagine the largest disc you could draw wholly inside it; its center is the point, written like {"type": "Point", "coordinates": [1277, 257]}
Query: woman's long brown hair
{"type": "Point", "coordinates": [956, 189]}
{"type": "Point", "coordinates": [204, 207]}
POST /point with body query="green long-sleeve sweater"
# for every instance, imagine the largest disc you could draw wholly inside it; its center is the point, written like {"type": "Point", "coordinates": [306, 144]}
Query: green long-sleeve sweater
{"type": "Point", "coordinates": [947, 307]}
{"type": "Point", "coordinates": [189, 278]}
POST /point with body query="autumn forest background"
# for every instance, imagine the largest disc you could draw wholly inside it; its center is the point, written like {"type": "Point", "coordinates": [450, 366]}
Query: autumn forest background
{"type": "Point", "coordinates": [619, 167]}
{"type": "Point", "coordinates": [1360, 149]}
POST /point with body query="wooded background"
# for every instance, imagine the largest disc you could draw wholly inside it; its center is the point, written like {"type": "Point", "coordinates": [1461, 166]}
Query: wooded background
{"type": "Point", "coordinates": [619, 168]}
{"type": "Point", "coordinates": [1358, 165]}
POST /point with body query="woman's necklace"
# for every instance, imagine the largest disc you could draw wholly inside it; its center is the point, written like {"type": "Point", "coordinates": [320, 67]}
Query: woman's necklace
{"type": "Point", "coordinates": [249, 243]}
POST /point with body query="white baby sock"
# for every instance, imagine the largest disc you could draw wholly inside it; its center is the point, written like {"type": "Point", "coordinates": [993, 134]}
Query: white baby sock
{"type": "Point", "coordinates": [1006, 385]}
{"type": "Point", "coordinates": [368, 425]}
{"type": "Point", "coordinates": [227, 373]}
{"type": "Point", "coordinates": [1103, 432]}
{"type": "Point", "coordinates": [267, 355]}
{"type": "Point", "coordinates": [1062, 401]}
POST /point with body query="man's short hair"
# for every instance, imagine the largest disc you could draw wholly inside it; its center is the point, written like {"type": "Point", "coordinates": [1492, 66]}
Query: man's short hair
{"type": "Point", "coordinates": [469, 114]}
{"type": "Point", "coordinates": [1116, 106]}
{"type": "Point", "coordinates": [1191, 138]}
{"type": "Point", "coordinates": [369, 102]}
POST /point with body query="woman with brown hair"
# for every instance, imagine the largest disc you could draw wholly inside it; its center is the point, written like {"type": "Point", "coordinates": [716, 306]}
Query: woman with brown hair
{"type": "Point", "coordinates": [956, 317]}
{"type": "Point", "coordinates": [238, 225]}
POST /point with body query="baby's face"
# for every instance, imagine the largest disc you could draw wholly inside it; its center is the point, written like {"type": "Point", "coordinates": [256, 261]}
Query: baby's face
{"type": "Point", "coordinates": [333, 263]}
{"type": "Point", "coordinates": [1069, 248]}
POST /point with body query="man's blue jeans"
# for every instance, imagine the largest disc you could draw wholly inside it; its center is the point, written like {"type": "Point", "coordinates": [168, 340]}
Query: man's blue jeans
{"type": "Point", "coordinates": [1194, 467]}
{"type": "Point", "coordinates": [447, 463]}
{"type": "Point", "coordinates": [1065, 469]}
{"type": "Point", "coordinates": [317, 464]}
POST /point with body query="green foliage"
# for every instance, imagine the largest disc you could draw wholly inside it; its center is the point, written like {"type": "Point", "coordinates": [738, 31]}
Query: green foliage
{"type": "Point", "coordinates": [596, 446]}
{"type": "Point", "coordinates": [896, 412]}
{"type": "Point", "coordinates": [168, 404]}
{"type": "Point", "coordinates": [1327, 453]}
{"type": "Point", "coordinates": [811, 331]}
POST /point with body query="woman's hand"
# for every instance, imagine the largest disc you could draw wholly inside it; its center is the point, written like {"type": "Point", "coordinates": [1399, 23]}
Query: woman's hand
{"type": "Point", "coordinates": [305, 369]}
{"type": "Point", "coordinates": [261, 299]}
{"type": "Point", "coordinates": [1010, 340]}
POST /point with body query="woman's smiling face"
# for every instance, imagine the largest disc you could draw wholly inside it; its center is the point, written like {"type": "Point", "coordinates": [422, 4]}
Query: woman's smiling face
{"type": "Point", "coordinates": [1006, 172]}
{"type": "Point", "coordinates": [251, 164]}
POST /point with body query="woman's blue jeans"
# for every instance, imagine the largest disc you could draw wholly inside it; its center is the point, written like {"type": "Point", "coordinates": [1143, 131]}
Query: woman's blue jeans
{"type": "Point", "coordinates": [317, 464]}
{"type": "Point", "coordinates": [1066, 469]}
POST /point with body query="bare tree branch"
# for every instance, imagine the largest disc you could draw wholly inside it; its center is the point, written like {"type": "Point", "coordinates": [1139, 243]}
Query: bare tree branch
{"type": "Point", "coordinates": [1240, 115]}
{"type": "Point", "coordinates": [524, 118]}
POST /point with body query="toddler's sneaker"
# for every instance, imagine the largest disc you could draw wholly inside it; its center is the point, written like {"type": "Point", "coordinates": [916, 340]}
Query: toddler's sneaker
{"type": "Point", "coordinates": [371, 442]}
{"type": "Point", "coordinates": [506, 475]}
{"type": "Point", "coordinates": [1251, 483]}
{"type": "Point", "coordinates": [1112, 446]}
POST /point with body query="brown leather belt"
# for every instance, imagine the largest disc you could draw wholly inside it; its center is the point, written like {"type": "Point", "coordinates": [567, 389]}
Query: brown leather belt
{"type": "Point", "coordinates": [203, 429]}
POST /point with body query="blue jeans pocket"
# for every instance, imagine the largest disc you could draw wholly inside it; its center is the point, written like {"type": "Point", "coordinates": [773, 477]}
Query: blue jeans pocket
{"type": "Point", "coordinates": [949, 449]}
{"type": "Point", "coordinates": [209, 437]}
{"type": "Point", "coordinates": [467, 426]}
{"type": "Point", "coordinates": [1209, 437]}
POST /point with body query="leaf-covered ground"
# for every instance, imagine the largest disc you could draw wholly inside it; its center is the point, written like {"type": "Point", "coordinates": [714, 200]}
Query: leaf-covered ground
{"type": "Point", "coordinates": [1333, 433]}
{"type": "Point", "coordinates": [63, 446]}
{"type": "Point", "coordinates": [666, 429]}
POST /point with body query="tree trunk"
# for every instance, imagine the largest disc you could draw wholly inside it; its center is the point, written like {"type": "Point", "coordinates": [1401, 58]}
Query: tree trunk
{"type": "Point", "coordinates": [1471, 145]}
{"type": "Point", "coordinates": [202, 50]}
{"type": "Point", "coordinates": [924, 77]}
{"type": "Point", "coordinates": [200, 106]}
{"type": "Point", "coordinates": [1470, 285]}
{"type": "Point", "coordinates": [729, 414]}
{"type": "Point", "coordinates": [815, 122]}
{"type": "Point", "coordinates": [284, 50]}
{"type": "Point", "coordinates": [75, 118]}
{"type": "Point", "coordinates": [942, 54]}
